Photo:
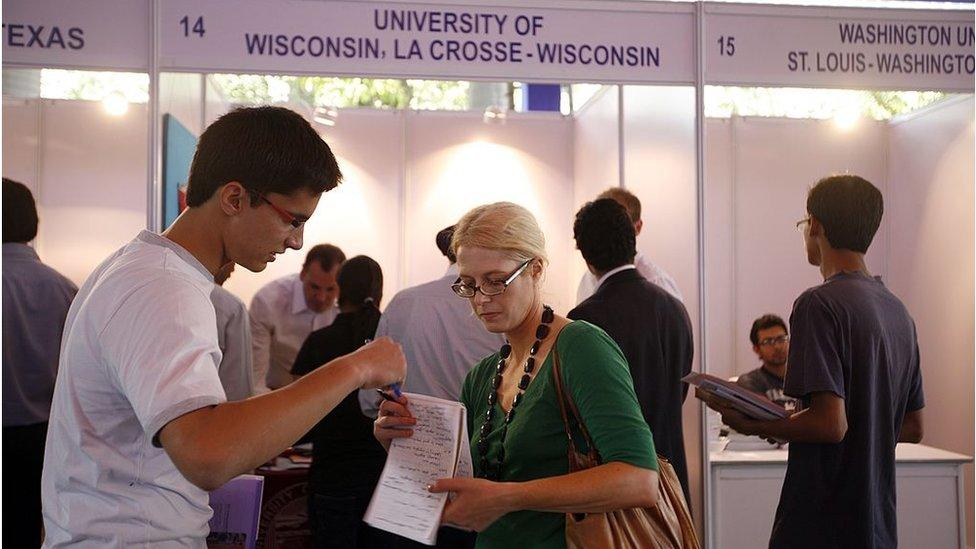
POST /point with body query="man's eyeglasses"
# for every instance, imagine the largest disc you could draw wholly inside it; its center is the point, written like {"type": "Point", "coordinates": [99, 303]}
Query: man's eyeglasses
{"type": "Point", "coordinates": [490, 287]}
{"type": "Point", "coordinates": [778, 340]}
{"type": "Point", "coordinates": [295, 222]}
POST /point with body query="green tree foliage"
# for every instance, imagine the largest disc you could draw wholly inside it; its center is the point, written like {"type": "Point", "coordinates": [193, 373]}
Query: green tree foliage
{"type": "Point", "coordinates": [319, 91]}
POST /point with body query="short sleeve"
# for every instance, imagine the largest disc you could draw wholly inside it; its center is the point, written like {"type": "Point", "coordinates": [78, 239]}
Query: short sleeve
{"type": "Point", "coordinates": [162, 345]}
{"type": "Point", "coordinates": [916, 397]}
{"type": "Point", "coordinates": [815, 363]}
{"type": "Point", "coordinates": [596, 374]}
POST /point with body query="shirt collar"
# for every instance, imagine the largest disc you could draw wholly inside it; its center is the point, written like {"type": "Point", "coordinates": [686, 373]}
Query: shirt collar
{"type": "Point", "coordinates": [160, 240]}
{"type": "Point", "coordinates": [298, 304]}
{"type": "Point", "coordinates": [452, 271]}
{"type": "Point", "coordinates": [612, 272]}
{"type": "Point", "coordinates": [17, 250]}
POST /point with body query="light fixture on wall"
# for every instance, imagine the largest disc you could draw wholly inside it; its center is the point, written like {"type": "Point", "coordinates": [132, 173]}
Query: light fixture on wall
{"type": "Point", "coordinates": [115, 104]}
{"type": "Point", "coordinates": [325, 115]}
{"type": "Point", "coordinates": [846, 119]}
{"type": "Point", "coordinates": [495, 115]}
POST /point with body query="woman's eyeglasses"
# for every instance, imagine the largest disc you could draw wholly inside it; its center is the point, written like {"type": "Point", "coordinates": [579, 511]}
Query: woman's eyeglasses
{"type": "Point", "coordinates": [490, 287]}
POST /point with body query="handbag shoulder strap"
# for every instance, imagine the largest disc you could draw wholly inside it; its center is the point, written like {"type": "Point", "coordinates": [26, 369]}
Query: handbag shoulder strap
{"type": "Point", "coordinates": [566, 402]}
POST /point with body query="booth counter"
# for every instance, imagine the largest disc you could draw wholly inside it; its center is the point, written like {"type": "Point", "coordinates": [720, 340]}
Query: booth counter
{"type": "Point", "coordinates": [746, 488]}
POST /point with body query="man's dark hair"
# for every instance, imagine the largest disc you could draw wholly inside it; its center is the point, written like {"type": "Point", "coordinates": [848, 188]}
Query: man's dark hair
{"type": "Point", "coordinates": [765, 322]}
{"type": "Point", "coordinates": [443, 240]}
{"type": "Point", "coordinates": [265, 149]}
{"type": "Point", "coordinates": [605, 234]}
{"type": "Point", "coordinates": [326, 255]}
{"type": "Point", "coordinates": [19, 213]}
{"type": "Point", "coordinates": [849, 208]}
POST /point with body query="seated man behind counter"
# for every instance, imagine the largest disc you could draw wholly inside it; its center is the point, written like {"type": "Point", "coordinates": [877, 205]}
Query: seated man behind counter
{"type": "Point", "coordinates": [771, 343]}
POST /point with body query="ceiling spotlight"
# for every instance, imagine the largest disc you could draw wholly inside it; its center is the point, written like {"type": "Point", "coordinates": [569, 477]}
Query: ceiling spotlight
{"type": "Point", "coordinates": [846, 119]}
{"type": "Point", "coordinates": [325, 116]}
{"type": "Point", "coordinates": [495, 115]}
{"type": "Point", "coordinates": [115, 104]}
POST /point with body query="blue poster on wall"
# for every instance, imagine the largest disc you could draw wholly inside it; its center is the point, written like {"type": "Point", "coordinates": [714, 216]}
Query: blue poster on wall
{"type": "Point", "coordinates": [178, 147]}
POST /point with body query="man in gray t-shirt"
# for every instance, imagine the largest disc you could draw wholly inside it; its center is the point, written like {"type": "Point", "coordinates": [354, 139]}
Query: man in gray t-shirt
{"type": "Point", "coordinates": [771, 343]}
{"type": "Point", "coordinates": [854, 363]}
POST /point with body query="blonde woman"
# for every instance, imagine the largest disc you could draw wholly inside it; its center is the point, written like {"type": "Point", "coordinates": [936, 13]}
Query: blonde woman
{"type": "Point", "coordinates": [523, 487]}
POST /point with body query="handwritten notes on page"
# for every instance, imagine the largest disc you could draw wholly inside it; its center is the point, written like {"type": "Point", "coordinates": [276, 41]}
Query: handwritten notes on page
{"type": "Point", "coordinates": [439, 448]}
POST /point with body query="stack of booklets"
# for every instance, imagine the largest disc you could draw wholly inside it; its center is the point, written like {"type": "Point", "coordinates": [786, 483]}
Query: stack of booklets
{"type": "Point", "coordinates": [236, 512]}
{"type": "Point", "coordinates": [751, 404]}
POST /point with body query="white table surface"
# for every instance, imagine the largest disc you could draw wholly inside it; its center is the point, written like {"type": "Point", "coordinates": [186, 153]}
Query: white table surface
{"type": "Point", "coordinates": [904, 453]}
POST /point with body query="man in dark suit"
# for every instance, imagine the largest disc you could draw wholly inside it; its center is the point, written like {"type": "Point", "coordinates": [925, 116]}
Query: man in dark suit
{"type": "Point", "coordinates": [651, 327]}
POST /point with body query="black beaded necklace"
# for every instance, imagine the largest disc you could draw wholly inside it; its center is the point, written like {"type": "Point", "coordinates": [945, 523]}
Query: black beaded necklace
{"type": "Point", "coordinates": [492, 471]}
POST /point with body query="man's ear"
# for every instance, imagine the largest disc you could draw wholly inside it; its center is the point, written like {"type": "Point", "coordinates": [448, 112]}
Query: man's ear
{"type": "Point", "coordinates": [233, 198]}
{"type": "Point", "coordinates": [816, 228]}
{"type": "Point", "coordinates": [638, 226]}
{"type": "Point", "coordinates": [755, 349]}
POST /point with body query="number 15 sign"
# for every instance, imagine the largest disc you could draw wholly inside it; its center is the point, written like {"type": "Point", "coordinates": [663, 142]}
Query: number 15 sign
{"type": "Point", "coordinates": [839, 47]}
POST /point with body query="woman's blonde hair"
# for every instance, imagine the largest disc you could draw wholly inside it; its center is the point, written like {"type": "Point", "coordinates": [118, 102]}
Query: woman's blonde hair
{"type": "Point", "coordinates": [502, 226]}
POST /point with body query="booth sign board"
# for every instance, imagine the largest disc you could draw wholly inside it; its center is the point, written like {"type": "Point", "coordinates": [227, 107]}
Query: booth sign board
{"type": "Point", "coordinates": [887, 49]}
{"type": "Point", "coordinates": [634, 42]}
{"type": "Point", "coordinates": [94, 34]}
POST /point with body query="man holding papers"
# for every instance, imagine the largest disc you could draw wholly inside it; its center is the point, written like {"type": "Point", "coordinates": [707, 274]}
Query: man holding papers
{"type": "Point", "coordinates": [854, 365]}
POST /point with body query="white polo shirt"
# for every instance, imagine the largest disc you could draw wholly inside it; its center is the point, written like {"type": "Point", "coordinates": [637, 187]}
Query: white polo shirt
{"type": "Point", "coordinates": [139, 350]}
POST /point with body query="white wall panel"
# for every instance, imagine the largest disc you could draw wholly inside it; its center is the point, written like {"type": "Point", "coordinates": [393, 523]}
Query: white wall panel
{"type": "Point", "coordinates": [20, 126]}
{"type": "Point", "coordinates": [930, 212]}
{"type": "Point", "coordinates": [455, 162]}
{"type": "Point", "coordinates": [596, 155]}
{"type": "Point", "coordinates": [659, 167]}
{"type": "Point", "coordinates": [93, 188]}
{"type": "Point", "coordinates": [757, 188]}
{"type": "Point", "coordinates": [181, 95]}
{"type": "Point", "coordinates": [719, 244]}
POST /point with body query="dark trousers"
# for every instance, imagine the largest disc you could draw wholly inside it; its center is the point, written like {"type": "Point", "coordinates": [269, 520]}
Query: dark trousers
{"type": "Point", "coordinates": [336, 521]}
{"type": "Point", "coordinates": [23, 458]}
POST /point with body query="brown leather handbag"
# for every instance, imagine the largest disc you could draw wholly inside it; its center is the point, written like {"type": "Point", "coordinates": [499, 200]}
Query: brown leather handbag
{"type": "Point", "coordinates": [666, 525]}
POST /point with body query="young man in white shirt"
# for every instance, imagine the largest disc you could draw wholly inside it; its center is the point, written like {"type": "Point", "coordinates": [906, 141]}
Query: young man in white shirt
{"type": "Point", "coordinates": [140, 428]}
{"type": "Point", "coordinates": [286, 310]}
{"type": "Point", "coordinates": [656, 275]}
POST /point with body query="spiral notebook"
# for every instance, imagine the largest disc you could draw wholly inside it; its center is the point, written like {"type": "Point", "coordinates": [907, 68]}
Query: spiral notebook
{"type": "Point", "coordinates": [439, 448]}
